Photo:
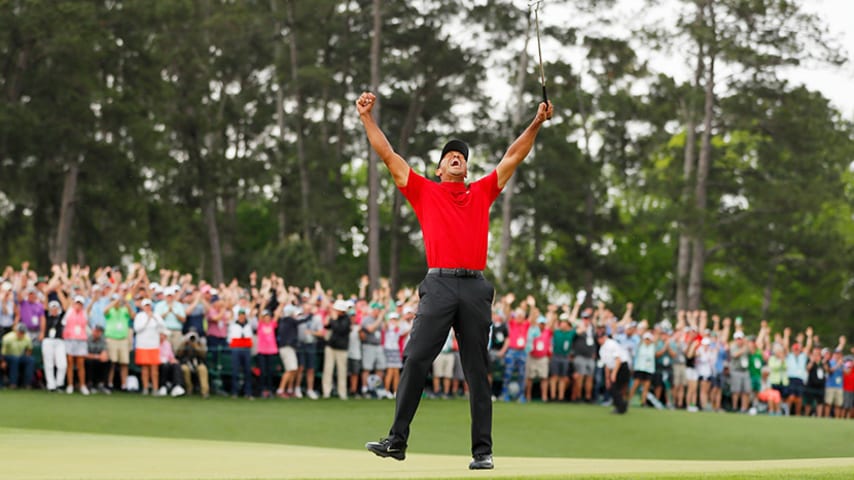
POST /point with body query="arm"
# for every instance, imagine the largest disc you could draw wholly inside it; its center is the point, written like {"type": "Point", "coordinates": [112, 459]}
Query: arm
{"type": "Point", "coordinates": [520, 147]}
{"type": "Point", "coordinates": [396, 165]}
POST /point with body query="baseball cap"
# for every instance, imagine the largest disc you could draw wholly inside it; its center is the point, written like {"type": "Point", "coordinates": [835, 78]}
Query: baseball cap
{"type": "Point", "coordinates": [648, 336]}
{"type": "Point", "coordinates": [21, 327]}
{"type": "Point", "coordinates": [738, 335]}
{"type": "Point", "coordinates": [53, 304]}
{"type": "Point", "coordinates": [146, 301]}
{"type": "Point", "coordinates": [265, 313]}
{"type": "Point", "coordinates": [342, 305]}
{"type": "Point", "coordinates": [290, 310]}
{"type": "Point", "coordinates": [455, 145]}
{"type": "Point", "coordinates": [79, 299]}
{"type": "Point", "coordinates": [393, 315]}
{"type": "Point", "coordinates": [541, 319]}
{"type": "Point", "coordinates": [408, 310]}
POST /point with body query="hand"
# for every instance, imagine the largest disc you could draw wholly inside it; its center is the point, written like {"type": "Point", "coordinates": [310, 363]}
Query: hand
{"type": "Point", "coordinates": [787, 332]}
{"type": "Point", "coordinates": [366, 102]}
{"type": "Point", "coordinates": [544, 112]}
{"type": "Point", "coordinates": [630, 306]}
{"type": "Point", "coordinates": [809, 332]}
{"type": "Point", "coordinates": [25, 266]}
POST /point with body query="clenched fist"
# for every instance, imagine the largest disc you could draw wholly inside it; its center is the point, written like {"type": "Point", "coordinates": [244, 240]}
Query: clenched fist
{"type": "Point", "coordinates": [365, 103]}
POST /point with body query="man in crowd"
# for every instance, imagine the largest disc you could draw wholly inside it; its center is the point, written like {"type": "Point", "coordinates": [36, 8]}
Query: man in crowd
{"type": "Point", "coordinates": [740, 384]}
{"type": "Point", "coordinates": [172, 312]}
{"type": "Point", "coordinates": [118, 331]}
{"type": "Point", "coordinates": [584, 359]}
{"type": "Point", "coordinates": [373, 355]}
{"type": "Point", "coordinates": [17, 351]}
{"type": "Point", "coordinates": [97, 361]}
{"type": "Point", "coordinates": [30, 313]}
{"type": "Point", "coordinates": [192, 355]}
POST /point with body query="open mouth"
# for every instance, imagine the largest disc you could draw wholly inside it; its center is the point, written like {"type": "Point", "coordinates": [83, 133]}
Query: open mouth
{"type": "Point", "coordinates": [455, 163]}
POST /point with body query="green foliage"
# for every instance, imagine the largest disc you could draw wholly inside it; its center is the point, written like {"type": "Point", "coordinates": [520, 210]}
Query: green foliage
{"type": "Point", "coordinates": [170, 107]}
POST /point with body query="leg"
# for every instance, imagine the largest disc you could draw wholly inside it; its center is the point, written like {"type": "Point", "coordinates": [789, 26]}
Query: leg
{"type": "Point", "coordinates": [49, 359]}
{"type": "Point", "coordinates": [144, 373]}
{"type": "Point", "coordinates": [202, 372]}
{"type": "Point", "coordinates": [81, 370]}
{"type": "Point", "coordinates": [155, 378]}
{"type": "Point", "coordinates": [340, 357]}
{"type": "Point", "coordinates": [188, 379]}
{"type": "Point", "coordinates": [472, 325]}
{"type": "Point", "coordinates": [13, 365]}
{"type": "Point", "coordinates": [69, 374]}
{"type": "Point", "coordinates": [428, 335]}
{"type": "Point", "coordinates": [327, 372]}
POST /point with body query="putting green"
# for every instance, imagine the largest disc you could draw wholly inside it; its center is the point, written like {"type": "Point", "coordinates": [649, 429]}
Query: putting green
{"type": "Point", "coordinates": [43, 455]}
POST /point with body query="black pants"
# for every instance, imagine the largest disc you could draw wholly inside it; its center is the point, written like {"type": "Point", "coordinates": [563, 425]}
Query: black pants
{"type": "Point", "coordinates": [96, 371]}
{"type": "Point", "coordinates": [464, 303]}
{"type": "Point", "coordinates": [171, 374]}
{"type": "Point", "coordinates": [618, 389]}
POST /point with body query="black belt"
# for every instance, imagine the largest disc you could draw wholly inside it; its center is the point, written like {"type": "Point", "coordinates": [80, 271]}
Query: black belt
{"type": "Point", "coordinates": [455, 272]}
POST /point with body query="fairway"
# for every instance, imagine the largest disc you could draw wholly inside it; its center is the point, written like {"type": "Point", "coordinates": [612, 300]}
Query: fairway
{"type": "Point", "coordinates": [132, 437]}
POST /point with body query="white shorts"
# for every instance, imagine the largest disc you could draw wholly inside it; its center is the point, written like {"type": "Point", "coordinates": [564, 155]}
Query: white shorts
{"type": "Point", "coordinates": [76, 348]}
{"type": "Point", "coordinates": [691, 374]}
{"type": "Point", "coordinates": [289, 358]}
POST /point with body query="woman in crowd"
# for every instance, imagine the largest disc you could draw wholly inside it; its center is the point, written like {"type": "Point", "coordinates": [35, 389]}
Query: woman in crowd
{"type": "Point", "coordinates": [147, 326]}
{"type": "Point", "coordinates": [74, 332]}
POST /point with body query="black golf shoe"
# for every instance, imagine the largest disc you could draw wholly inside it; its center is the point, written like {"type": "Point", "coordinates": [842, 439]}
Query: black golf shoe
{"type": "Point", "coordinates": [481, 462]}
{"type": "Point", "coordinates": [386, 448]}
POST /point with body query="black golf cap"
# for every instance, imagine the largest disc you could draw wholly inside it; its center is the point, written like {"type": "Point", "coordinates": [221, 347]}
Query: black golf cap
{"type": "Point", "coordinates": [454, 146]}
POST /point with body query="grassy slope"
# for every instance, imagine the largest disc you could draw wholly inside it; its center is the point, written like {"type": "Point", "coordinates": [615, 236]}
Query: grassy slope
{"type": "Point", "coordinates": [539, 430]}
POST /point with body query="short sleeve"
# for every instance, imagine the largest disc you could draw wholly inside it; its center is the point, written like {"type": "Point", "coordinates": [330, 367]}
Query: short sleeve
{"type": "Point", "coordinates": [415, 185]}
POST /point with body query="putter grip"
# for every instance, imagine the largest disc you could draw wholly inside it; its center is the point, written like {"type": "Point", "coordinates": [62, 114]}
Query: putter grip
{"type": "Point", "coordinates": [545, 97]}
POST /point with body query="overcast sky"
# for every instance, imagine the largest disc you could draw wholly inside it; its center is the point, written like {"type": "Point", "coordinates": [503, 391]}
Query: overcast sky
{"type": "Point", "coordinates": [837, 84]}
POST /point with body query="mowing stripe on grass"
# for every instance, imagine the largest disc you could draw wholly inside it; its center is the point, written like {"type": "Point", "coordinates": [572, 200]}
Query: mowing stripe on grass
{"type": "Point", "coordinates": [46, 455]}
{"type": "Point", "coordinates": [441, 427]}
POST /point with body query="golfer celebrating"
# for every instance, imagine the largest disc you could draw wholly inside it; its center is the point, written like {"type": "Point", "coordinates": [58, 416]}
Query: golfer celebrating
{"type": "Point", "coordinates": [454, 220]}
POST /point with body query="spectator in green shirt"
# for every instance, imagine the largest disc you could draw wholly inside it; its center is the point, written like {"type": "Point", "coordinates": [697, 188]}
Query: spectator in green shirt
{"type": "Point", "coordinates": [17, 349]}
{"type": "Point", "coordinates": [559, 366]}
{"type": "Point", "coordinates": [119, 336]}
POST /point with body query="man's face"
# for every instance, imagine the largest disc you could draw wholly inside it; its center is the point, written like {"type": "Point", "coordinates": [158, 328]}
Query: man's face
{"type": "Point", "coordinates": [453, 167]}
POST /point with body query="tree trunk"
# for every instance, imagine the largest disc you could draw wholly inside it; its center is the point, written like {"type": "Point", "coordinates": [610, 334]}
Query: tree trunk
{"type": "Point", "coordinates": [302, 163]}
{"type": "Point", "coordinates": [695, 285]}
{"type": "Point", "coordinates": [373, 174]}
{"type": "Point", "coordinates": [686, 241]}
{"type": "Point", "coordinates": [209, 211]}
{"type": "Point", "coordinates": [416, 106]}
{"type": "Point", "coordinates": [281, 216]}
{"type": "Point", "coordinates": [517, 109]}
{"type": "Point", "coordinates": [66, 214]}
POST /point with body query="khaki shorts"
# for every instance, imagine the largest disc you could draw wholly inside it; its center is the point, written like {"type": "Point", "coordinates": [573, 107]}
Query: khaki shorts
{"type": "Point", "coordinates": [833, 396]}
{"type": "Point", "coordinates": [537, 368]}
{"type": "Point", "coordinates": [443, 366]}
{"type": "Point", "coordinates": [289, 358]}
{"type": "Point", "coordinates": [119, 350]}
{"type": "Point", "coordinates": [679, 376]}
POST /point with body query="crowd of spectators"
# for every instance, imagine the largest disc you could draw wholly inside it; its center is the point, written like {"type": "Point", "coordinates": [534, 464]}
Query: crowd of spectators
{"type": "Point", "coordinates": [85, 331]}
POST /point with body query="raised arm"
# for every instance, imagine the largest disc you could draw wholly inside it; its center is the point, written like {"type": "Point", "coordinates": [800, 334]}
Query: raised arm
{"type": "Point", "coordinates": [395, 163]}
{"type": "Point", "coordinates": [522, 145]}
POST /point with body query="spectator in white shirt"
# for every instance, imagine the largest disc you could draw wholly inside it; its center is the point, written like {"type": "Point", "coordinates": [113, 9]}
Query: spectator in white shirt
{"type": "Point", "coordinates": [147, 326]}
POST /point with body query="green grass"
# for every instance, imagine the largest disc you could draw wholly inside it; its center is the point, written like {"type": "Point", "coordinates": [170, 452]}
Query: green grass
{"type": "Point", "coordinates": [441, 427]}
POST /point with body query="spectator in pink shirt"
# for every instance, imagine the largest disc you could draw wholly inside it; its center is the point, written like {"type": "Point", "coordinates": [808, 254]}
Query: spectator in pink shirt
{"type": "Point", "coordinates": [170, 370]}
{"type": "Point", "coordinates": [74, 332]}
{"type": "Point", "coordinates": [268, 351]}
{"type": "Point", "coordinates": [217, 319]}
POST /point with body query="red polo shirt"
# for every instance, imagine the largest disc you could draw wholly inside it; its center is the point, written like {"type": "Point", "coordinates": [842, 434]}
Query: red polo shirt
{"type": "Point", "coordinates": [454, 219]}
